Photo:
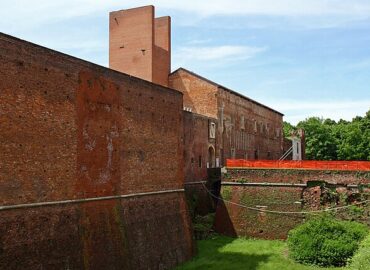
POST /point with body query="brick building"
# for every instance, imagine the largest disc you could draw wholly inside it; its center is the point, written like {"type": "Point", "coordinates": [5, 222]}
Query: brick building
{"type": "Point", "coordinates": [224, 124]}
{"type": "Point", "coordinates": [246, 129]}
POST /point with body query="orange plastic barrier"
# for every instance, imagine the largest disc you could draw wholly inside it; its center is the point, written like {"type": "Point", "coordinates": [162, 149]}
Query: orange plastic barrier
{"type": "Point", "coordinates": [301, 164]}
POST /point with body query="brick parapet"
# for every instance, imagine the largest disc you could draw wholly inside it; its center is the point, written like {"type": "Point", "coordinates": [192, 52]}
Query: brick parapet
{"type": "Point", "coordinates": [297, 176]}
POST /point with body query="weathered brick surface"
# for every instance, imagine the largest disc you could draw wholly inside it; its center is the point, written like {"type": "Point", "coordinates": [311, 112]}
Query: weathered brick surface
{"type": "Point", "coordinates": [196, 146]}
{"type": "Point", "coordinates": [140, 233]}
{"type": "Point", "coordinates": [196, 157]}
{"type": "Point", "coordinates": [140, 45]}
{"type": "Point", "coordinates": [71, 129]}
{"type": "Point", "coordinates": [131, 41]}
{"type": "Point", "coordinates": [234, 220]}
{"type": "Point", "coordinates": [42, 238]}
{"type": "Point", "coordinates": [245, 128]}
{"type": "Point", "coordinates": [259, 137]}
{"type": "Point", "coordinates": [38, 124]}
{"type": "Point", "coordinates": [296, 176]}
{"type": "Point", "coordinates": [162, 50]}
{"type": "Point", "coordinates": [199, 95]}
{"type": "Point", "coordinates": [198, 199]}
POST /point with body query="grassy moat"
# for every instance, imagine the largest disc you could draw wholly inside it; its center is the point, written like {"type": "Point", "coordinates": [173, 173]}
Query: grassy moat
{"type": "Point", "coordinates": [224, 253]}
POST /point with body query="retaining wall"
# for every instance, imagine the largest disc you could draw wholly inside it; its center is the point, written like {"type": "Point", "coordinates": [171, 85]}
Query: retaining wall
{"type": "Point", "coordinates": [72, 130]}
{"type": "Point", "coordinates": [286, 190]}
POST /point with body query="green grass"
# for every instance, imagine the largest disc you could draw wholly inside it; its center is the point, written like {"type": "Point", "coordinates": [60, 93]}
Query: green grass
{"type": "Point", "coordinates": [361, 260]}
{"type": "Point", "coordinates": [223, 253]}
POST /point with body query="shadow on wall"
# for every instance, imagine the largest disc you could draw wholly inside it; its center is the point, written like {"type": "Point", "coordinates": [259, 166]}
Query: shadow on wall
{"type": "Point", "coordinates": [223, 222]}
{"type": "Point", "coordinates": [218, 258]}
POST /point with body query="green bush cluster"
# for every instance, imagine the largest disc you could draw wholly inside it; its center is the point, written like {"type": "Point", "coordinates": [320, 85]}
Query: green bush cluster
{"type": "Point", "coordinates": [325, 241]}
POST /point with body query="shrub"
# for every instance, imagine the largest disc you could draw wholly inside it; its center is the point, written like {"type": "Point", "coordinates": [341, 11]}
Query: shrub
{"type": "Point", "coordinates": [203, 226]}
{"type": "Point", "coordinates": [325, 241]}
{"type": "Point", "coordinates": [361, 260]}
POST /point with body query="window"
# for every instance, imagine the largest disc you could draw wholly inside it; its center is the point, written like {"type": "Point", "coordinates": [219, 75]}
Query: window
{"type": "Point", "coordinates": [242, 122]}
{"type": "Point", "coordinates": [200, 162]}
{"type": "Point", "coordinates": [277, 133]}
{"type": "Point", "coordinates": [212, 130]}
{"type": "Point", "coordinates": [217, 162]}
{"type": "Point", "coordinates": [255, 125]}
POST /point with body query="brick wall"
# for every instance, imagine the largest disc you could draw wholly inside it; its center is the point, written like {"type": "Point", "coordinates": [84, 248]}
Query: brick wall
{"type": "Point", "coordinates": [316, 190]}
{"type": "Point", "coordinates": [162, 50]}
{"type": "Point", "coordinates": [71, 130]}
{"type": "Point", "coordinates": [235, 221]}
{"type": "Point", "coordinates": [249, 130]}
{"type": "Point", "coordinates": [196, 156]}
{"type": "Point", "coordinates": [246, 128]}
{"type": "Point", "coordinates": [297, 176]}
{"type": "Point", "coordinates": [196, 146]}
{"type": "Point", "coordinates": [199, 95]}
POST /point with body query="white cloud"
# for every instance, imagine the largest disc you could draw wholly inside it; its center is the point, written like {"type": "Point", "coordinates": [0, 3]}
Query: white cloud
{"type": "Point", "coordinates": [272, 7]}
{"type": "Point", "coordinates": [199, 41]}
{"type": "Point", "coordinates": [206, 54]}
{"type": "Point", "coordinates": [298, 110]}
{"type": "Point", "coordinates": [27, 13]}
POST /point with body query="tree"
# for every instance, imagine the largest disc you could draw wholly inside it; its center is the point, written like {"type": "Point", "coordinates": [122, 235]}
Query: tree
{"type": "Point", "coordinates": [288, 128]}
{"type": "Point", "coordinates": [320, 143]}
{"type": "Point", "coordinates": [330, 140]}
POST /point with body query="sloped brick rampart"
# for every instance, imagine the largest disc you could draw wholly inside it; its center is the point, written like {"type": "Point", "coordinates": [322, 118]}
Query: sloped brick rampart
{"type": "Point", "coordinates": [72, 130]}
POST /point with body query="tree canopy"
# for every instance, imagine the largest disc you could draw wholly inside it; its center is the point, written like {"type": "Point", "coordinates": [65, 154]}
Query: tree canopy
{"type": "Point", "coordinates": [327, 139]}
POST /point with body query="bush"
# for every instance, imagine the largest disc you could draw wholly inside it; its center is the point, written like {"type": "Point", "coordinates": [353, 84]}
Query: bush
{"type": "Point", "coordinates": [325, 241]}
{"type": "Point", "coordinates": [203, 226]}
{"type": "Point", "coordinates": [361, 260]}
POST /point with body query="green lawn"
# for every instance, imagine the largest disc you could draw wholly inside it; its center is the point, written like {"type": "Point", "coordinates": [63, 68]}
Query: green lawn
{"type": "Point", "coordinates": [228, 253]}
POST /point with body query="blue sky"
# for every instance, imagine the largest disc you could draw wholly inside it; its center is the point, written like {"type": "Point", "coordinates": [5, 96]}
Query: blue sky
{"type": "Point", "coordinates": [301, 57]}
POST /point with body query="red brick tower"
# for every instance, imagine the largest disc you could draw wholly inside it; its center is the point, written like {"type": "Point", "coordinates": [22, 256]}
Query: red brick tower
{"type": "Point", "coordinates": [140, 44]}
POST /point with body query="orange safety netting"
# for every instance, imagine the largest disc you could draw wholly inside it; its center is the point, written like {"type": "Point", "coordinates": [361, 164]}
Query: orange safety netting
{"type": "Point", "coordinates": [300, 164]}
